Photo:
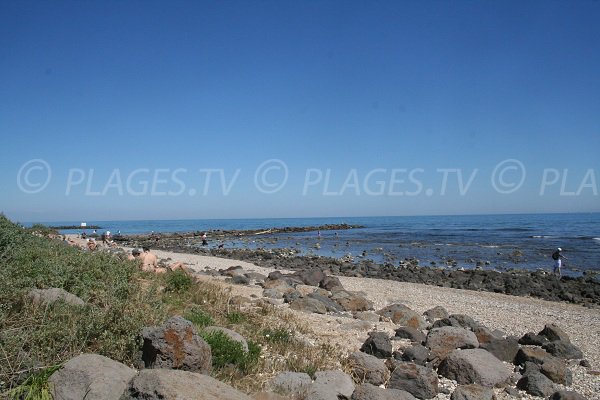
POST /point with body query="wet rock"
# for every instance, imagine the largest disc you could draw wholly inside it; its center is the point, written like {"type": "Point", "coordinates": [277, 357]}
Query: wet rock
{"type": "Point", "coordinates": [402, 315]}
{"type": "Point", "coordinates": [474, 366]}
{"type": "Point", "coordinates": [421, 382]}
{"type": "Point", "coordinates": [378, 344]}
{"type": "Point", "coordinates": [168, 384]}
{"type": "Point", "coordinates": [442, 341]}
{"type": "Point", "coordinates": [177, 345]}
{"type": "Point", "coordinates": [368, 368]}
{"type": "Point", "coordinates": [536, 384]}
{"type": "Point", "coordinates": [369, 392]}
{"type": "Point", "coordinates": [472, 392]}
{"type": "Point", "coordinates": [90, 376]}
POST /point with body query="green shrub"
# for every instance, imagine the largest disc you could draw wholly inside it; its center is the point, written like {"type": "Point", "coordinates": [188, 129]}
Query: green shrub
{"type": "Point", "coordinates": [178, 282]}
{"type": "Point", "coordinates": [226, 351]}
{"type": "Point", "coordinates": [235, 317]}
{"type": "Point", "coordinates": [199, 317]}
{"type": "Point", "coordinates": [278, 335]}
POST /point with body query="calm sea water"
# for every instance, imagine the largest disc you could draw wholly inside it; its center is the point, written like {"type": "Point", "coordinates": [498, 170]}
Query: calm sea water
{"type": "Point", "coordinates": [504, 241]}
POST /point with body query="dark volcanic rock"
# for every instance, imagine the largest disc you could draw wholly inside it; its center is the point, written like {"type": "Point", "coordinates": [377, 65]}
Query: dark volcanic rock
{"type": "Point", "coordinates": [531, 354]}
{"type": "Point", "coordinates": [532, 339]}
{"type": "Point", "coordinates": [370, 392]}
{"type": "Point", "coordinates": [437, 312]}
{"type": "Point", "coordinates": [378, 344]}
{"type": "Point", "coordinates": [368, 368]}
{"type": "Point", "coordinates": [442, 341]}
{"type": "Point", "coordinates": [406, 332]}
{"type": "Point", "coordinates": [557, 371]}
{"type": "Point", "coordinates": [419, 381]}
{"type": "Point", "coordinates": [417, 354]}
{"type": "Point", "coordinates": [474, 366]}
{"type": "Point", "coordinates": [552, 332]}
{"type": "Point", "coordinates": [472, 392]}
{"type": "Point", "coordinates": [566, 395]}
{"type": "Point", "coordinates": [537, 384]}
{"type": "Point", "coordinates": [562, 349]}
{"type": "Point", "coordinates": [402, 315]}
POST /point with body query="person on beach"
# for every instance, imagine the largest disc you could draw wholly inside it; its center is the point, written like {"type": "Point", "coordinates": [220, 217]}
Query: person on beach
{"type": "Point", "coordinates": [558, 257]}
{"type": "Point", "coordinates": [149, 260]}
{"type": "Point", "coordinates": [135, 255]}
{"type": "Point", "coordinates": [204, 242]}
{"type": "Point", "coordinates": [91, 245]}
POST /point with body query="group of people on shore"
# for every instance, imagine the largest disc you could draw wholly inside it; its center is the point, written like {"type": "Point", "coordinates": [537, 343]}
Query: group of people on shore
{"type": "Point", "coordinates": [149, 262]}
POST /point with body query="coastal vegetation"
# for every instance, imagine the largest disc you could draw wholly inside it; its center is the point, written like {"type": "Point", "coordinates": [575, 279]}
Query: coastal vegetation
{"type": "Point", "coordinates": [119, 300]}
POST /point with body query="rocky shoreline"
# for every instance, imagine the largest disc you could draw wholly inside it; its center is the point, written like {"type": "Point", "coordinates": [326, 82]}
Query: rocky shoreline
{"type": "Point", "coordinates": [584, 290]}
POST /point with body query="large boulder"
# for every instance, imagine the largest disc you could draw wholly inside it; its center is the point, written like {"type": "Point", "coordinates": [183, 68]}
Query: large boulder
{"type": "Point", "coordinates": [367, 391]}
{"type": "Point", "coordinates": [176, 345]}
{"type": "Point", "coordinates": [329, 304]}
{"type": "Point", "coordinates": [417, 354]}
{"type": "Point", "coordinates": [557, 371]}
{"type": "Point", "coordinates": [169, 384]}
{"type": "Point", "coordinates": [402, 315]}
{"type": "Point", "coordinates": [472, 392]}
{"type": "Point", "coordinates": [90, 376]}
{"type": "Point", "coordinates": [566, 395]}
{"type": "Point", "coordinates": [52, 295]}
{"type": "Point", "coordinates": [531, 354]}
{"type": "Point", "coordinates": [330, 282]}
{"type": "Point", "coordinates": [459, 321]}
{"type": "Point", "coordinates": [442, 341]}
{"type": "Point", "coordinates": [474, 366]}
{"type": "Point", "coordinates": [311, 277]}
{"type": "Point", "coordinates": [406, 332]}
{"type": "Point", "coordinates": [378, 344]}
{"type": "Point", "coordinates": [421, 382]}
{"type": "Point", "coordinates": [435, 313]}
{"type": "Point", "coordinates": [505, 349]}
{"type": "Point", "coordinates": [368, 368]}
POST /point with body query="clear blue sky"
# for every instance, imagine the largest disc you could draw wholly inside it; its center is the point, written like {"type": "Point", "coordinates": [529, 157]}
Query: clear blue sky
{"type": "Point", "coordinates": [347, 86]}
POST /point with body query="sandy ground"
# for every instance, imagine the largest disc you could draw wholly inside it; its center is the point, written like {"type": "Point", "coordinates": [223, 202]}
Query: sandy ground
{"type": "Point", "coordinates": [511, 314]}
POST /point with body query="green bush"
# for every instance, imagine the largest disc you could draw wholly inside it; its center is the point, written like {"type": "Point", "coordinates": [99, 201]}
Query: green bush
{"type": "Point", "coordinates": [199, 317]}
{"type": "Point", "coordinates": [226, 351]}
{"type": "Point", "coordinates": [278, 335]}
{"type": "Point", "coordinates": [235, 317]}
{"type": "Point", "coordinates": [178, 282]}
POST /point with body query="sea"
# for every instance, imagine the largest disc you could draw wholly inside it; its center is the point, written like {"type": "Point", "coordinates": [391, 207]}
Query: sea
{"type": "Point", "coordinates": [498, 242]}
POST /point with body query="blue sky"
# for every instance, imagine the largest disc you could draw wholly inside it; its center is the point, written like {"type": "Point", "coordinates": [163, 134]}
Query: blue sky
{"type": "Point", "coordinates": [359, 89]}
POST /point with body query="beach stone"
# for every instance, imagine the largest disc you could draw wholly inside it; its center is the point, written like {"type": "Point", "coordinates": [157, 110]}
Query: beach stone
{"type": "Point", "coordinates": [232, 271]}
{"type": "Point", "coordinates": [240, 280]}
{"type": "Point", "coordinates": [417, 354]}
{"type": "Point", "coordinates": [562, 349]}
{"type": "Point", "coordinates": [536, 384]}
{"type": "Point", "coordinates": [177, 345]}
{"type": "Point", "coordinates": [357, 325]}
{"type": "Point", "coordinates": [366, 316]}
{"type": "Point", "coordinates": [272, 294]}
{"type": "Point", "coordinates": [233, 335]}
{"type": "Point", "coordinates": [312, 277]}
{"type": "Point", "coordinates": [52, 295]}
{"type": "Point", "coordinates": [291, 296]}
{"type": "Point", "coordinates": [280, 284]}
{"type": "Point", "coordinates": [290, 383]}
{"type": "Point", "coordinates": [402, 315]}
{"type": "Point", "coordinates": [255, 277]}
{"type": "Point", "coordinates": [351, 301]}
{"type": "Point", "coordinates": [532, 354]}
{"type": "Point", "coordinates": [472, 392]}
{"type": "Point", "coordinates": [442, 341]}
{"type": "Point", "coordinates": [566, 395]}
{"type": "Point", "coordinates": [170, 384]}
{"type": "Point", "coordinates": [368, 368]}
{"type": "Point", "coordinates": [417, 380]}
{"type": "Point", "coordinates": [308, 305]}
{"type": "Point", "coordinates": [474, 366]}
{"type": "Point", "coordinates": [341, 383]}
{"type": "Point", "coordinates": [330, 282]}
{"type": "Point", "coordinates": [378, 344]}
{"type": "Point", "coordinates": [504, 349]}
{"type": "Point", "coordinates": [367, 391]}
{"type": "Point", "coordinates": [533, 339]}
{"type": "Point", "coordinates": [90, 376]}
{"type": "Point", "coordinates": [557, 371]}
{"type": "Point", "coordinates": [437, 312]}
{"type": "Point", "coordinates": [554, 332]}
{"type": "Point", "coordinates": [330, 305]}
{"type": "Point", "coordinates": [406, 332]}
{"type": "Point", "coordinates": [459, 321]}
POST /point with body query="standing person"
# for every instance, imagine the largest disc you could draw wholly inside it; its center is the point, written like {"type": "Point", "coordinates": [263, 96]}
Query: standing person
{"type": "Point", "coordinates": [204, 242]}
{"type": "Point", "coordinates": [558, 257]}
